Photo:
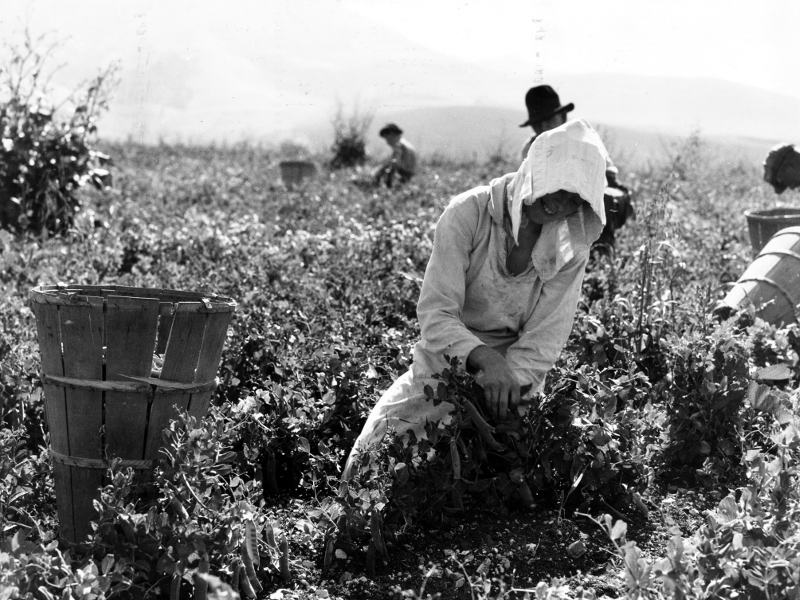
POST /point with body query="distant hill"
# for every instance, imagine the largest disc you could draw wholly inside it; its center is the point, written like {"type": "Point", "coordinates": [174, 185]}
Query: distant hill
{"type": "Point", "coordinates": [280, 75]}
{"type": "Point", "coordinates": [235, 87]}
{"type": "Point", "coordinates": [470, 132]}
{"type": "Point", "coordinates": [679, 105]}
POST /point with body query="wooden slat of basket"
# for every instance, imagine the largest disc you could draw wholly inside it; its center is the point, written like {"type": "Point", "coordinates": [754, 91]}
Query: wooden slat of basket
{"type": "Point", "coordinates": [131, 325]}
{"type": "Point", "coordinates": [211, 350]}
{"type": "Point", "coordinates": [184, 345]}
{"type": "Point", "coordinates": [166, 312]}
{"type": "Point", "coordinates": [212, 345]}
{"type": "Point", "coordinates": [50, 350]}
{"type": "Point", "coordinates": [180, 363]}
{"type": "Point", "coordinates": [47, 324]}
{"type": "Point", "coordinates": [82, 338]}
{"type": "Point", "coordinates": [164, 408]}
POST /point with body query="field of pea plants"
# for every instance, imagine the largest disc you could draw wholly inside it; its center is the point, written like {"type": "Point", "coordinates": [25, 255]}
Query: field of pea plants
{"type": "Point", "coordinates": [661, 461]}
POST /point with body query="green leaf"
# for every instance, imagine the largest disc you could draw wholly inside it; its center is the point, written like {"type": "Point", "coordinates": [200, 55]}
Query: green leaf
{"type": "Point", "coordinates": [779, 372]}
{"type": "Point", "coordinates": [576, 549]}
{"type": "Point", "coordinates": [303, 444]}
{"type": "Point", "coordinates": [619, 530]}
{"type": "Point", "coordinates": [727, 509]}
{"type": "Point", "coordinates": [441, 393]}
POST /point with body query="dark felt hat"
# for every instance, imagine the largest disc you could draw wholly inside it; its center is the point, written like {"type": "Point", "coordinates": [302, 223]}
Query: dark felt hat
{"type": "Point", "coordinates": [390, 128]}
{"type": "Point", "coordinates": [543, 102]}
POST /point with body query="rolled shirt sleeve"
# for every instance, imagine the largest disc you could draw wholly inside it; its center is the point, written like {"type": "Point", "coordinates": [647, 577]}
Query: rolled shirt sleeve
{"type": "Point", "coordinates": [546, 331]}
{"type": "Point", "coordinates": [441, 301]}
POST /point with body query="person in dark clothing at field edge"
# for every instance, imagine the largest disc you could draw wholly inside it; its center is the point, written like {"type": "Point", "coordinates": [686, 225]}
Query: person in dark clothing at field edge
{"type": "Point", "coordinates": [402, 164]}
{"type": "Point", "coordinates": [782, 168]}
{"type": "Point", "coordinates": [545, 112]}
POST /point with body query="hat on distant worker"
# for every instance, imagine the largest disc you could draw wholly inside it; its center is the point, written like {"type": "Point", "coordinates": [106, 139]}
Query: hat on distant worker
{"type": "Point", "coordinates": [543, 102]}
{"type": "Point", "coordinates": [389, 129]}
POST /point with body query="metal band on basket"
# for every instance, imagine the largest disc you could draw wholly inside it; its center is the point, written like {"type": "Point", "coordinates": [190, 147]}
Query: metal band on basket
{"type": "Point", "coordinates": [137, 384]}
{"type": "Point", "coordinates": [97, 463]}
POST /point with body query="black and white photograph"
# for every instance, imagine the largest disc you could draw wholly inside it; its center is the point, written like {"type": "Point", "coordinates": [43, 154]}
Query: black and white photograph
{"type": "Point", "coordinates": [421, 300]}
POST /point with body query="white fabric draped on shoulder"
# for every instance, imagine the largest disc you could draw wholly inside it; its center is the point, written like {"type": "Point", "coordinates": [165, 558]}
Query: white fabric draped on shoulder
{"type": "Point", "coordinates": [572, 158]}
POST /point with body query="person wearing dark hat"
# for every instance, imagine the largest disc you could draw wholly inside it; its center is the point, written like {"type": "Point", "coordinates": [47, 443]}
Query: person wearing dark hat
{"type": "Point", "coordinates": [545, 112]}
{"type": "Point", "coordinates": [402, 164]}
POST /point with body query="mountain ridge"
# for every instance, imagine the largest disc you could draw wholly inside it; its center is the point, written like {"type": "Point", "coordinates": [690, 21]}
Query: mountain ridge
{"type": "Point", "coordinates": [476, 133]}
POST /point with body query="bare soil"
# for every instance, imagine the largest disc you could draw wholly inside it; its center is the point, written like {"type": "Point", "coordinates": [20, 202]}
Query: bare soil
{"type": "Point", "coordinates": [486, 553]}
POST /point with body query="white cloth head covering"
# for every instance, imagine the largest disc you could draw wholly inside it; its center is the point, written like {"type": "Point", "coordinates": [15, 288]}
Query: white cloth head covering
{"type": "Point", "coordinates": [570, 157]}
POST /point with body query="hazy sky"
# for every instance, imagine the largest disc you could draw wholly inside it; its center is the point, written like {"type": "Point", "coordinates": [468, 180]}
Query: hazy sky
{"type": "Point", "coordinates": [746, 41]}
{"type": "Point", "coordinates": [242, 56]}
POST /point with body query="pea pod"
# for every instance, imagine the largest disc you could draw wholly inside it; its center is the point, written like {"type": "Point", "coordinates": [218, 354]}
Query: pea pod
{"type": "Point", "coordinates": [376, 529]}
{"type": "Point", "coordinates": [175, 587]}
{"type": "Point", "coordinates": [484, 429]}
{"type": "Point", "coordinates": [284, 560]}
{"type": "Point", "coordinates": [455, 459]}
{"type": "Point", "coordinates": [237, 569]}
{"type": "Point", "coordinates": [371, 560]}
{"type": "Point", "coordinates": [329, 550]}
{"type": "Point", "coordinates": [245, 585]}
{"type": "Point", "coordinates": [200, 584]}
{"type": "Point", "coordinates": [249, 571]}
{"type": "Point", "coordinates": [526, 495]}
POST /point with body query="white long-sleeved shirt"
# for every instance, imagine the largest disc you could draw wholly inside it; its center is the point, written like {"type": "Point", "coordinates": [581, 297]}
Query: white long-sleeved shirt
{"type": "Point", "coordinates": [469, 297]}
{"type": "Point", "coordinates": [404, 157]}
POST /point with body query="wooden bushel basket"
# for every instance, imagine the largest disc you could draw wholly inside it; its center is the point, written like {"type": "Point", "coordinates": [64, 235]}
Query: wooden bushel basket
{"type": "Point", "coordinates": [772, 281]}
{"type": "Point", "coordinates": [763, 224]}
{"type": "Point", "coordinates": [116, 364]}
{"type": "Point", "coordinates": [295, 172]}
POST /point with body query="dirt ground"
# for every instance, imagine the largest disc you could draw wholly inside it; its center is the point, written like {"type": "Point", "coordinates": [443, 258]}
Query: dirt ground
{"type": "Point", "coordinates": [484, 554]}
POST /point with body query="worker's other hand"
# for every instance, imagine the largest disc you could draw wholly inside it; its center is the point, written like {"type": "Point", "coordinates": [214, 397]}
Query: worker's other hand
{"type": "Point", "coordinates": [500, 388]}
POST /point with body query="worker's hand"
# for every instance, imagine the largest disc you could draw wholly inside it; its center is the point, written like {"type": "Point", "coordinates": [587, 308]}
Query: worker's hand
{"type": "Point", "coordinates": [500, 387]}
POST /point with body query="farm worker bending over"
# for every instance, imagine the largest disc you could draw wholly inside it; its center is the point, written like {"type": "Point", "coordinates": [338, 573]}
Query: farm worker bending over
{"type": "Point", "coordinates": [545, 112]}
{"type": "Point", "coordinates": [402, 164]}
{"type": "Point", "coordinates": [503, 281]}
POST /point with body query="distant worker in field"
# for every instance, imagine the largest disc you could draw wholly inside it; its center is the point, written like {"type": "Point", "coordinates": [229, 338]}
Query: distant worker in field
{"type": "Point", "coordinates": [402, 164]}
{"type": "Point", "coordinates": [782, 168]}
{"type": "Point", "coordinates": [502, 285]}
{"type": "Point", "coordinates": [545, 112]}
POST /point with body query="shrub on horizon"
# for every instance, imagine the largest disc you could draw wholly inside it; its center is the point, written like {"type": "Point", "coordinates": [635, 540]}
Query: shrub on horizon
{"type": "Point", "coordinates": [349, 139]}
{"type": "Point", "coordinates": [47, 152]}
